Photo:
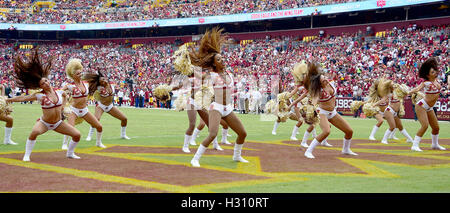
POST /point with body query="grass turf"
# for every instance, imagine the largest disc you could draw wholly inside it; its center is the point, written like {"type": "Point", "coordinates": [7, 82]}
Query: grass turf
{"type": "Point", "coordinates": [167, 128]}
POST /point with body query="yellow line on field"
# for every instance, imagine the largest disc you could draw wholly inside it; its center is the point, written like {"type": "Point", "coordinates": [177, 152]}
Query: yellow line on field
{"type": "Point", "coordinates": [98, 176]}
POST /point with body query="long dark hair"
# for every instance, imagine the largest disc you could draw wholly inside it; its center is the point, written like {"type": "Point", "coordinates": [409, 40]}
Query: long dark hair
{"type": "Point", "coordinates": [210, 45]}
{"type": "Point", "coordinates": [312, 80]}
{"type": "Point", "coordinates": [426, 67]}
{"type": "Point", "coordinates": [94, 80]}
{"type": "Point", "coordinates": [29, 74]}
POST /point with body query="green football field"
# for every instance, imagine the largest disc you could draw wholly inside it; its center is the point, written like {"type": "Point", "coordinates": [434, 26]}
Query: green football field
{"type": "Point", "coordinates": [276, 163]}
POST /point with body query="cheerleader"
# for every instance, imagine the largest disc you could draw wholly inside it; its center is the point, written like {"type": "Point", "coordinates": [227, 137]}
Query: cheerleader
{"type": "Point", "coordinates": [196, 79]}
{"type": "Point", "coordinates": [319, 87]}
{"type": "Point", "coordinates": [208, 56]}
{"type": "Point", "coordinates": [79, 91]}
{"type": "Point", "coordinates": [104, 92]}
{"type": "Point", "coordinates": [299, 72]}
{"type": "Point", "coordinates": [4, 116]}
{"type": "Point", "coordinates": [424, 107]}
{"type": "Point", "coordinates": [33, 75]}
{"type": "Point", "coordinates": [395, 107]}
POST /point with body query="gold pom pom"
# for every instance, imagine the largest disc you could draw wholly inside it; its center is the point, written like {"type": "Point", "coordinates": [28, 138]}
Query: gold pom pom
{"type": "Point", "coordinates": [5, 107]}
{"type": "Point", "coordinates": [78, 120]}
{"type": "Point", "coordinates": [180, 103]}
{"type": "Point", "coordinates": [97, 95]}
{"type": "Point", "coordinates": [162, 91]}
{"type": "Point", "coordinates": [299, 71]}
{"type": "Point", "coordinates": [415, 97]}
{"type": "Point", "coordinates": [182, 61]}
{"type": "Point", "coordinates": [401, 113]}
{"type": "Point", "coordinates": [354, 106]}
{"type": "Point", "coordinates": [204, 97]}
{"type": "Point", "coordinates": [370, 110]}
{"type": "Point", "coordinates": [271, 107]}
{"type": "Point", "coordinates": [400, 91]}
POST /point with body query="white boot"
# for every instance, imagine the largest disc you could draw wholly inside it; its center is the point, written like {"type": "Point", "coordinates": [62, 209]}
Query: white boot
{"type": "Point", "coordinates": [71, 150]}
{"type": "Point", "coordinates": [392, 135]}
{"type": "Point", "coordinates": [224, 137]}
{"type": "Point", "coordinates": [237, 153]}
{"type": "Point", "coordinates": [98, 142]}
{"type": "Point", "coordinates": [294, 133]}
{"type": "Point", "coordinates": [275, 127]}
{"type": "Point", "coordinates": [123, 133]}
{"type": "Point", "coordinates": [65, 142]}
{"type": "Point", "coordinates": [435, 142]}
{"type": "Point", "coordinates": [28, 149]}
{"type": "Point", "coordinates": [372, 134]}
{"type": "Point", "coordinates": [346, 147]}
{"type": "Point", "coordinates": [195, 160]}
{"type": "Point", "coordinates": [314, 133]}
{"type": "Point", "coordinates": [416, 142]}
{"type": "Point", "coordinates": [408, 138]}
{"type": "Point", "coordinates": [187, 139]}
{"type": "Point", "coordinates": [7, 140]}
{"type": "Point", "coordinates": [216, 145]}
{"type": "Point", "coordinates": [305, 139]}
{"type": "Point", "coordinates": [194, 136]}
{"type": "Point", "coordinates": [386, 136]}
{"type": "Point", "coordinates": [311, 148]}
{"type": "Point", "coordinates": [91, 131]}
{"type": "Point", "coordinates": [325, 143]}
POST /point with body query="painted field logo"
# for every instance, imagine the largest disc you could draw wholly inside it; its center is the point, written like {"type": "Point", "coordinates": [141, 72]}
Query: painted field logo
{"type": "Point", "coordinates": [381, 3]}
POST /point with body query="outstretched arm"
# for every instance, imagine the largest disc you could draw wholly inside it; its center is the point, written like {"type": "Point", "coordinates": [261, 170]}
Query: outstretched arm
{"type": "Point", "coordinates": [22, 98]}
{"type": "Point", "coordinates": [298, 100]}
{"type": "Point", "coordinates": [417, 89]}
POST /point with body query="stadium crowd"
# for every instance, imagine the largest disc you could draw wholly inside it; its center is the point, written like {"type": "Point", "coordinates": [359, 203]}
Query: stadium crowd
{"type": "Point", "coordinates": [355, 58]}
{"type": "Point", "coordinates": [87, 11]}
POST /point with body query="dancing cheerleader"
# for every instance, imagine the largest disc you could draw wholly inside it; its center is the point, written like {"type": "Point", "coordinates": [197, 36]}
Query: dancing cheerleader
{"type": "Point", "coordinates": [33, 75]}
{"type": "Point", "coordinates": [319, 87]}
{"type": "Point", "coordinates": [103, 93]}
{"type": "Point", "coordinates": [208, 56]}
{"type": "Point", "coordinates": [5, 111]}
{"type": "Point", "coordinates": [396, 105]}
{"type": "Point", "coordinates": [198, 87]}
{"type": "Point", "coordinates": [299, 72]}
{"type": "Point", "coordinates": [424, 107]}
{"type": "Point", "coordinates": [79, 92]}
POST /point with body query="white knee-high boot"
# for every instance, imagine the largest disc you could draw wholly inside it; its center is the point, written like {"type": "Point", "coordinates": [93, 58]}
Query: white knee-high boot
{"type": "Point", "coordinates": [294, 133]}
{"type": "Point", "coordinates": [89, 136]}
{"type": "Point", "coordinates": [194, 136]}
{"type": "Point", "coordinates": [305, 139]}
{"type": "Point", "coordinates": [195, 160]}
{"type": "Point", "coordinates": [237, 153]}
{"type": "Point", "coordinates": [311, 148]}
{"type": "Point", "coordinates": [99, 140]}
{"type": "Point", "coordinates": [435, 142]}
{"type": "Point", "coordinates": [225, 136]}
{"type": "Point", "coordinates": [123, 133]}
{"type": "Point", "coordinates": [372, 134]}
{"type": "Point", "coordinates": [275, 127]}
{"type": "Point", "coordinates": [187, 139]}
{"type": "Point", "coordinates": [65, 142]}
{"type": "Point", "coordinates": [28, 149]}
{"type": "Point", "coordinates": [7, 140]}
{"type": "Point", "coordinates": [346, 147]}
{"type": "Point", "coordinates": [386, 136]}
{"type": "Point", "coordinates": [71, 150]}
{"type": "Point", "coordinates": [416, 142]}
